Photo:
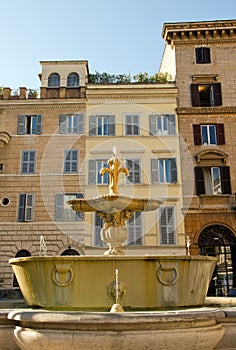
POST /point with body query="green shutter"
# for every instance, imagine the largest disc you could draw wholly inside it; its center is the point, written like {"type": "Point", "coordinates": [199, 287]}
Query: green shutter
{"type": "Point", "coordinates": [21, 125]}
{"type": "Point", "coordinates": [154, 170]}
{"type": "Point", "coordinates": [92, 125]}
{"type": "Point", "coordinates": [172, 124]}
{"type": "Point", "coordinates": [92, 172]}
{"type": "Point", "coordinates": [173, 170]}
{"type": "Point", "coordinates": [152, 124]}
{"type": "Point", "coordinates": [62, 124]}
{"type": "Point", "coordinates": [112, 125]}
{"type": "Point", "coordinates": [21, 207]}
{"type": "Point", "coordinates": [59, 207]}
{"type": "Point", "coordinates": [38, 125]}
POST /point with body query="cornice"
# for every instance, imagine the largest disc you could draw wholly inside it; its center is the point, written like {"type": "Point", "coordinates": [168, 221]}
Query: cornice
{"type": "Point", "coordinates": [206, 110]}
{"type": "Point", "coordinates": [106, 96]}
{"type": "Point", "coordinates": [195, 32]}
{"type": "Point", "coordinates": [41, 105]}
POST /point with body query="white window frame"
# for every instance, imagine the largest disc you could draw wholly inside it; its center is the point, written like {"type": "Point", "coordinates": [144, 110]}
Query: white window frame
{"type": "Point", "coordinates": [208, 134]}
{"type": "Point", "coordinates": [30, 164]}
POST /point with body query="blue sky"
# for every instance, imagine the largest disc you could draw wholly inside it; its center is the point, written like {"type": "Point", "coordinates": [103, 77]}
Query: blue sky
{"type": "Point", "coordinates": [116, 36]}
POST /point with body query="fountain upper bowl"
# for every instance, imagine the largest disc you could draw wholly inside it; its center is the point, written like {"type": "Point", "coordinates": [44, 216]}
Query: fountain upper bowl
{"type": "Point", "coordinates": [111, 203]}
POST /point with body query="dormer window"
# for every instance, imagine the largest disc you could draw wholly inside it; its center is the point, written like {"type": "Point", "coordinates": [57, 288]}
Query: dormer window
{"type": "Point", "coordinates": [73, 80]}
{"type": "Point", "coordinates": [54, 80]}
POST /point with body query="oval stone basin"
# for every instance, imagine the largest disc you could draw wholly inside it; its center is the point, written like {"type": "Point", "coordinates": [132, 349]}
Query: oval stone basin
{"type": "Point", "coordinates": [87, 282]}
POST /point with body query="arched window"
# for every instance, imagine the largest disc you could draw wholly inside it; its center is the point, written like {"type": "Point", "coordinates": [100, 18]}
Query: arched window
{"type": "Point", "coordinates": [73, 80]}
{"type": "Point", "coordinates": [69, 251]}
{"type": "Point", "coordinates": [54, 80]}
{"type": "Point", "coordinates": [20, 254]}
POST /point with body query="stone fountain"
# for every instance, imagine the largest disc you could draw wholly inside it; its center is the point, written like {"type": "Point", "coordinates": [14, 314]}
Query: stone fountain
{"type": "Point", "coordinates": [157, 299]}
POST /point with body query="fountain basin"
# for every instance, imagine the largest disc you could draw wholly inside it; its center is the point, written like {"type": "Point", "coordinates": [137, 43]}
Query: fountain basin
{"type": "Point", "coordinates": [184, 329]}
{"type": "Point", "coordinates": [84, 282]}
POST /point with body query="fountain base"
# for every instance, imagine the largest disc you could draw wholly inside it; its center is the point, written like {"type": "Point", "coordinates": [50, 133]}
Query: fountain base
{"type": "Point", "coordinates": [191, 329]}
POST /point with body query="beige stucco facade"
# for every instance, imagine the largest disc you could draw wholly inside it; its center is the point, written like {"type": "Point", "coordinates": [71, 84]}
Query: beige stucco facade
{"type": "Point", "coordinates": [49, 179]}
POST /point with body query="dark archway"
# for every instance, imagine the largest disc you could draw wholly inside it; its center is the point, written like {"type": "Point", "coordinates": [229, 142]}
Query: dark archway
{"type": "Point", "coordinates": [70, 251]}
{"type": "Point", "coordinates": [219, 241]}
{"type": "Point", "coordinates": [20, 254]}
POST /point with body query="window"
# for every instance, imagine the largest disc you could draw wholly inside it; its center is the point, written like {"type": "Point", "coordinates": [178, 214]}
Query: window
{"type": "Point", "coordinates": [73, 80]}
{"type": "Point", "coordinates": [71, 123]}
{"type": "Point", "coordinates": [28, 162]}
{"type": "Point", "coordinates": [71, 161]}
{"type": "Point", "coordinates": [94, 177]}
{"type": "Point", "coordinates": [212, 180]}
{"type": "Point", "coordinates": [54, 80]}
{"type": "Point", "coordinates": [98, 224]}
{"type": "Point", "coordinates": [203, 54]}
{"type": "Point", "coordinates": [167, 226]}
{"type": "Point", "coordinates": [208, 134]}
{"type": "Point", "coordinates": [25, 207]}
{"type": "Point", "coordinates": [135, 229]}
{"type": "Point", "coordinates": [163, 170]}
{"type": "Point", "coordinates": [163, 124]}
{"type": "Point", "coordinates": [206, 95]}
{"type": "Point", "coordinates": [29, 124]}
{"type": "Point", "coordinates": [133, 166]}
{"type": "Point", "coordinates": [63, 212]}
{"type": "Point", "coordinates": [132, 124]}
{"type": "Point", "coordinates": [102, 125]}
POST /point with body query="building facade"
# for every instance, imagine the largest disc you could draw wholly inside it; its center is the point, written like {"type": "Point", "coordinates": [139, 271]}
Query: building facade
{"type": "Point", "coordinates": [53, 147]}
{"type": "Point", "coordinates": [203, 57]}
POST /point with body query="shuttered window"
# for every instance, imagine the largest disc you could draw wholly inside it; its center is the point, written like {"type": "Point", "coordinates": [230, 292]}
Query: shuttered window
{"type": "Point", "coordinates": [206, 95]}
{"type": "Point", "coordinates": [163, 170]}
{"type": "Point", "coordinates": [167, 226]}
{"type": "Point", "coordinates": [208, 134]}
{"type": "Point", "coordinates": [98, 224]}
{"type": "Point", "coordinates": [135, 229]}
{"type": "Point", "coordinates": [29, 124]}
{"type": "Point", "coordinates": [25, 207]}
{"type": "Point", "coordinates": [71, 124]}
{"type": "Point", "coordinates": [203, 55]}
{"type": "Point", "coordinates": [132, 124]}
{"type": "Point", "coordinates": [70, 161]}
{"type": "Point", "coordinates": [63, 212]}
{"type": "Point", "coordinates": [134, 168]}
{"type": "Point", "coordinates": [28, 162]}
{"type": "Point", "coordinates": [102, 125]}
{"type": "Point", "coordinates": [163, 124]}
{"type": "Point", "coordinates": [212, 180]}
{"type": "Point", "coordinates": [94, 176]}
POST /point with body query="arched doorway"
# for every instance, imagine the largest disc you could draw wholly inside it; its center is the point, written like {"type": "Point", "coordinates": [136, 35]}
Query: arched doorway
{"type": "Point", "coordinates": [20, 254]}
{"type": "Point", "coordinates": [219, 241]}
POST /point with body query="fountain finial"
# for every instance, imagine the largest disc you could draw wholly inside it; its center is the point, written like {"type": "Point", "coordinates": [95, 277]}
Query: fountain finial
{"type": "Point", "coordinates": [113, 171]}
